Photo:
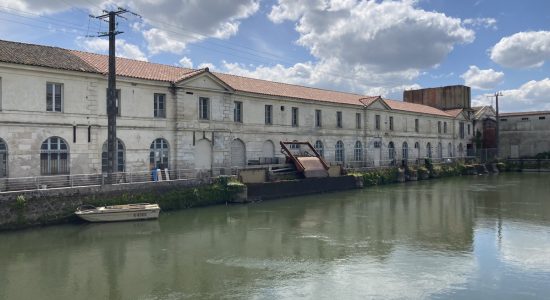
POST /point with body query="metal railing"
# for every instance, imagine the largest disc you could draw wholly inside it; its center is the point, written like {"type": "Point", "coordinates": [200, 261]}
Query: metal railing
{"type": "Point", "coordinates": [83, 180]}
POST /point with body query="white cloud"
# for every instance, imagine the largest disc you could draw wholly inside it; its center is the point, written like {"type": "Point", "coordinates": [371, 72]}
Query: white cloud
{"type": "Point", "coordinates": [159, 41]}
{"type": "Point", "coordinates": [522, 50]}
{"type": "Point", "coordinates": [386, 36]}
{"type": "Point", "coordinates": [482, 79]}
{"type": "Point", "coordinates": [186, 62]}
{"type": "Point", "coordinates": [488, 23]}
{"type": "Point", "coordinates": [123, 48]}
{"type": "Point", "coordinates": [325, 75]}
{"type": "Point", "coordinates": [170, 25]}
{"type": "Point", "coordinates": [532, 95]}
{"type": "Point", "coordinates": [366, 47]}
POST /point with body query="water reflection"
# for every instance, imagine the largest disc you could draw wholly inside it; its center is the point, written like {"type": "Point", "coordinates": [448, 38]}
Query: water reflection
{"type": "Point", "coordinates": [416, 240]}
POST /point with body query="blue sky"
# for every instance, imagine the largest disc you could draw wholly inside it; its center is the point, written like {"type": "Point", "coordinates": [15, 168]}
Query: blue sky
{"type": "Point", "coordinates": [366, 47]}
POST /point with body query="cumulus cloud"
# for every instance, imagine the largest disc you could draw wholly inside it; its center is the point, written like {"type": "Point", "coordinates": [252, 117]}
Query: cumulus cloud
{"type": "Point", "coordinates": [386, 36]}
{"type": "Point", "coordinates": [482, 79]}
{"type": "Point", "coordinates": [522, 50]}
{"type": "Point", "coordinates": [367, 47]}
{"type": "Point", "coordinates": [169, 25]}
{"type": "Point", "coordinates": [186, 62]}
{"type": "Point", "coordinates": [532, 95]}
{"type": "Point", "coordinates": [123, 48]}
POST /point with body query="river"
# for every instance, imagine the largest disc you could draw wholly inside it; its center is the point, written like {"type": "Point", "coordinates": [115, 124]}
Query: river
{"type": "Point", "coordinates": [472, 237]}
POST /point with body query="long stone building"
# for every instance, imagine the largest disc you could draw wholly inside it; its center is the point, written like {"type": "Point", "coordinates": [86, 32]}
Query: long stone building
{"type": "Point", "coordinates": [53, 118]}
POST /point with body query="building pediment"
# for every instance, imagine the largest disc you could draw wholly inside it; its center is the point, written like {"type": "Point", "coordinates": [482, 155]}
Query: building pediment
{"type": "Point", "coordinates": [204, 81]}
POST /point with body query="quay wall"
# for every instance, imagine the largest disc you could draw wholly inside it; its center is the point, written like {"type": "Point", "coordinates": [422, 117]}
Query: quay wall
{"type": "Point", "coordinates": [53, 206]}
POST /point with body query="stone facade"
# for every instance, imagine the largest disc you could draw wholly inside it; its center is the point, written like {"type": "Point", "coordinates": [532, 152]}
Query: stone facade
{"type": "Point", "coordinates": [214, 142]}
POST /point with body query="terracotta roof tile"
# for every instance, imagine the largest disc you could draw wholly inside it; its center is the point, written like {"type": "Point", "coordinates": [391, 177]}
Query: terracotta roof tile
{"type": "Point", "coordinates": [413, 107]}
{"type": "Point", "coordinates": [454, 112]}
{"type": "Point", "coordinates": [134, 68]}
{"type": "Point", "coordinates": [272, 88]}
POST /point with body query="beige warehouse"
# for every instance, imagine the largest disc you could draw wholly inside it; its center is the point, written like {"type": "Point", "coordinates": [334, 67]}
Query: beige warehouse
{"type": "Point", "coordinates": [53, 118]}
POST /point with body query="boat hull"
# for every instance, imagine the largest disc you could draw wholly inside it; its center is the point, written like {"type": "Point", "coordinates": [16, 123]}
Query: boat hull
{"type": "Point", "coordinates": [120, 213]}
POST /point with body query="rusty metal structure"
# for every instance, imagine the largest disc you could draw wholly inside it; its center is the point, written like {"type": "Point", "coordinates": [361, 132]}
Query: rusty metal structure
{"type": "Point", "coordinates": [444, 98]}
{"type": "Point", "coordinates": [306, 159]}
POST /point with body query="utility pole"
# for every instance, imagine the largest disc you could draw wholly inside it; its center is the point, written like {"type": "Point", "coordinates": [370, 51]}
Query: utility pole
{"type": "Point", "coordinates": [112, 105]}
{"type": "Point", "coordinates": [496, 95]}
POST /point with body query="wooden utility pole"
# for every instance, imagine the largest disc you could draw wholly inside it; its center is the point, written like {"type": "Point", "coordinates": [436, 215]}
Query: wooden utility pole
{"type": "Point", "coordinates": [112, 107]}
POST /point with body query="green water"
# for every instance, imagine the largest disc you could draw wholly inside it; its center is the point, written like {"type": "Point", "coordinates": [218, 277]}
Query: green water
{"type": "Point", "coordinates": [475, 237]}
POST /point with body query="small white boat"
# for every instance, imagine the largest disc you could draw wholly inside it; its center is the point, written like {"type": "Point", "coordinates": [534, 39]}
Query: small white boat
{"type": "Point", "coordinates": [126, 212]}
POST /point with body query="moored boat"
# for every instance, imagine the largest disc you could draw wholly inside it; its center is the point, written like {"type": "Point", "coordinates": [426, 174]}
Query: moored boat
{"type": "Point", "coordinates": [113, 213]}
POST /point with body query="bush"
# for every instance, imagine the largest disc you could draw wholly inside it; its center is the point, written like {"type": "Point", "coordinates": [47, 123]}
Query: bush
{"type": "Point", "coordinates": [501, 167]}
{"type": "Point", "coordinates": [379, 177]}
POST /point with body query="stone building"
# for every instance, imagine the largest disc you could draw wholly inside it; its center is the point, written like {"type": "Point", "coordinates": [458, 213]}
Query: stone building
{"type": "Point", "coordinates": [524, 134]}
{"type": "Point", "coordinates": [53, 118]}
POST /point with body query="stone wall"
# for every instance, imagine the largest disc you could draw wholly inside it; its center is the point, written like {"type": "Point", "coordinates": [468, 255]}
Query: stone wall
{"type": "Point", "coordinates": [40, 207]}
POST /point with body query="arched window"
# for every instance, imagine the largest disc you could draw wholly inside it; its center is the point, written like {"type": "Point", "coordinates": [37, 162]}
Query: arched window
{"type": "Point", "coordinates": [417, 147]}
{"type": "Point", "coordinates": [439, 150]}
{"type": "Point", "coordinates": [54, 156]}
{"type": "Point", "coordinates": [319, 148]}
{"type": "Point", "coordinates": [450, 150]}
{"type": "Point", "coordinates": [120, 158]}
{"type": "Point", "coordinates": [429, 150]}
{"type": "Point", "coordinates": [3, 159]}
{"type": "Point", "coordinates": [159, 154]}
{"type": "Point", "coordinates": [358, 151]}
{"type": "Point", "coordinates": [391, 151]}
{"type": "Point", "coordinates": [339, 153]}
{"type": "Point", "coordinates": [460, 150]}
{"type": "Point", "coordinates": [405, 151]}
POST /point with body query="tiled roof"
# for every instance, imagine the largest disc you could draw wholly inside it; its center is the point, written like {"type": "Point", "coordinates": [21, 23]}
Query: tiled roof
{"type": "Point", "coordinates": [42, 56]}
{"type": "Point", "coordinates": [133, 68]}
{"type": "Point", "coordinates": [73, 60]}
{"type": "Point", "coordinates": [454, 112]}
{"type": "Point", "coordinates": [525, 113]}
{"type": "Point", "coordinates": [264, 87]}
{"type": "Point", "coordinates": [417, 108]}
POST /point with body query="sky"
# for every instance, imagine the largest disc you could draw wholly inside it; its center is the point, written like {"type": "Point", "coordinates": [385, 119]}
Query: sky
{"type": "Point", "coordinates": [370, 47]}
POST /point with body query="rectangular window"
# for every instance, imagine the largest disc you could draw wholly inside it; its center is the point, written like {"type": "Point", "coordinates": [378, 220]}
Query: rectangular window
{"type": "Point", "coordinates": [117, 102]}
{"type": "Point", "coordinates": [358, 120]}
{"type": "Point", "coordinates": [377, 122]}
{"type": "Point", "coordinates": [444, 127]}
{"type": "Point", "coordinates": [461, 129]}
{"type": "Point", "coordinates": [268, 114]}
{"type": "Point", "coordinates": [159, 105]}
{"type": "Point", "coordinates": [503, 120]}
{"type": "Point", "coordinates": [391, 123]}
{"type": "Point", "coordinates": [540, 118]}
{"type": "Point", "coordinates": [524, 119]}
{"type": "Point", "coordinates": [295, 116]}
{"type": "Point", "coordinates": [339, 119]}
{"type": "Point", "coordinates": [469, 129]}
{"type": "Point", "coordinates": [238, 112]}
{"type": "Point", "coordinates": [416, 125]}
{"type": "Point", "coordinates": [54, 96]}
{"type": "Point", "coordinates": [438, 126]}
{"type": "Point", "coordinates": [204, 108]}
{"type": "Point", "coordinates": [318, 117]}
